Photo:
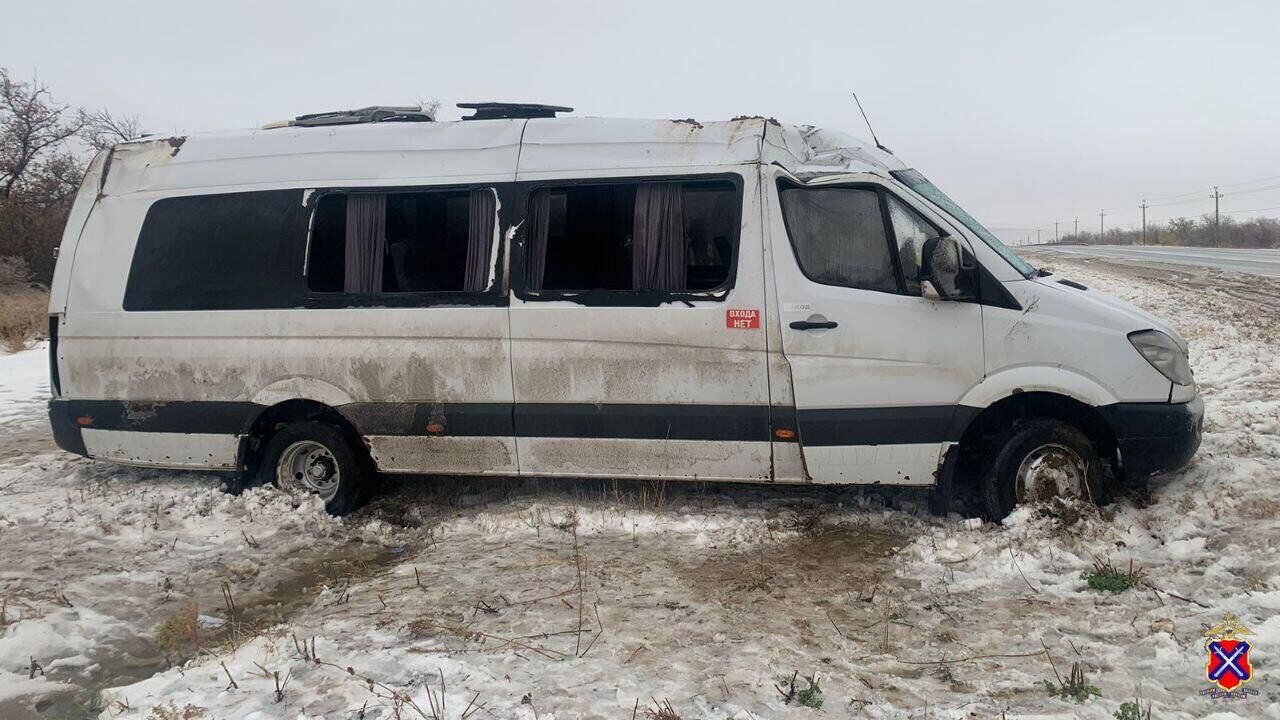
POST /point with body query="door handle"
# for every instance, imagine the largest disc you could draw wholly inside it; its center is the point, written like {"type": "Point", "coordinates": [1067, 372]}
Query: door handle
{"type": "Point", "coordinates": [812, 325]}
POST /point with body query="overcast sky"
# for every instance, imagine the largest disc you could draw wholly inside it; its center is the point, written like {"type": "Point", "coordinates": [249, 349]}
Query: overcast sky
{"type": "Point", "coordinates": [1023, 111]}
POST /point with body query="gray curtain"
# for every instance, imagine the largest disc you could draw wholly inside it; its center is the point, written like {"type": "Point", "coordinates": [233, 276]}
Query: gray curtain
{"type": "Point", "coordinates": [658, 247]}
{"type": "Point", "coordinates": [538, 221]}
{"type": "Point", "coordinates": [366, 243]}
{"type": "Point", "coordinates": [479, 238]}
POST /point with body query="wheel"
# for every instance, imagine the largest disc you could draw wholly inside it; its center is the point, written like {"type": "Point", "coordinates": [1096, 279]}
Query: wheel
{"type": "Point", "coordinates": [314, 458]}
{"type": "Point", "coordinates": [1038, 460]}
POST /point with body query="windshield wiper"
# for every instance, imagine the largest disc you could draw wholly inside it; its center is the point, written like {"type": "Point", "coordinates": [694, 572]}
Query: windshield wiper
{"type": "Point", "coordinates": [1041, 272]}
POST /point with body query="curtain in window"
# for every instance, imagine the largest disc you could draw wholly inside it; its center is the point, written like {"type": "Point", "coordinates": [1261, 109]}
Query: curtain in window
{"type": "Point", "coordinates": [366, 243]}
{"type": "Point", "coordinates": [480, 222]}
{"type": "Point", "coordinates": [658, 245]}
{"type": "Point", "coordinates": [539, 225]}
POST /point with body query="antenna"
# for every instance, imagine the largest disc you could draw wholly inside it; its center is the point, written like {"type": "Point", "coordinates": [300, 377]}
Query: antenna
{"type": "Point", "coordinates": [868, 122]}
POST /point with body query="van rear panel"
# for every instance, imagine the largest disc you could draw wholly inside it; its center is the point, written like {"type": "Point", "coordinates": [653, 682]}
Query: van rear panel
{"type": "Point", "coordinates": [80, 210]}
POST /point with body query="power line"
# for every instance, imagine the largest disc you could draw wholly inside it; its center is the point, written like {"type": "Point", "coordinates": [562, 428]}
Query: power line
{"type": "Point", "coordinates": [1225, 185]}
{"type": "Point", "coordinates": [1177, 202]}
{"type": "Point", "coordinates": [1250, 182]}
{"type": "Point", "coordinates": [1196, 199]}
{"type": "Point", "coordinates": [1232, 212]}
{"type": "Point", "coordinates": [1216, 197]}
{"type": "Point", "coordinates": [1253, 190]}
{"type": "Point", "coordinates": [1175, 197]}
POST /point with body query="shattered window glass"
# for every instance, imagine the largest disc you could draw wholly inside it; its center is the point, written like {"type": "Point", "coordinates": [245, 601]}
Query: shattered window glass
{"type": "Point", "coordinates": [839, 237]}
{"type": "Point", "coordinates": [914, 180]}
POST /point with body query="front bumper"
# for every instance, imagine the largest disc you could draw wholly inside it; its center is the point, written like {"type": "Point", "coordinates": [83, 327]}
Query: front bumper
{"type": "Point", "coordinates": [1155, 437]}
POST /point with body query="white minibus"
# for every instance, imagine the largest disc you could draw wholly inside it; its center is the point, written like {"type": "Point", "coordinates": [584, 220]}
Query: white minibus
{"type": "Point", "coordinates": [524, 293]}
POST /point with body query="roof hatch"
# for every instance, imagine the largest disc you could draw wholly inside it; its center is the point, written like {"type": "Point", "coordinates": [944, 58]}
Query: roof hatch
{"type": "Point", "coordinates": [371, 114]}
{"type": "Point", "coordinates": [507, 111]}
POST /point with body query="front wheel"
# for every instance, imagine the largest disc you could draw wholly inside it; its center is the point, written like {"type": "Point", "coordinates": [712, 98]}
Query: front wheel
{"type": "Point", "coordinates": [1036, 461]}
{"type": "Point", "coordinates": [317, 459]}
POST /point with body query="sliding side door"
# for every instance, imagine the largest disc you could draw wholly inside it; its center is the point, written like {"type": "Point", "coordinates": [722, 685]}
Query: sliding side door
{"type": "Point", "coordinates": [638, 347]}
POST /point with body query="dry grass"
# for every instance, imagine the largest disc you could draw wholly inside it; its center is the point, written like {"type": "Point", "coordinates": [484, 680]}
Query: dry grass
{"type": "Point", "coordinates": [171, 712]}
{"type": "Point", "coordinates": [660, 711]}
{"type": "Point", "coordinates": [23, 316]}
{"type": "Point", "coordinates": [179, 634]}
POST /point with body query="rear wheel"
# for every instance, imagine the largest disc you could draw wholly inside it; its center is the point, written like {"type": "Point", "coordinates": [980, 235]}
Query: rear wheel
{"type": "Point", "coordinates": [1036, 461]}
{"type": "Point", "coordinates": [316, 459]}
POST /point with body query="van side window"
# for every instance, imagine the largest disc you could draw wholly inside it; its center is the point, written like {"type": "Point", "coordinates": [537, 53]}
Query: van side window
{"type": "Point", "coordinates": [839, 237]}
{"type": "Point", "coordinates": [396, 242]}
{"type": "Point", "coordinates": [662, 235]}
{"type": "Point", "coordinates": [228, 251]}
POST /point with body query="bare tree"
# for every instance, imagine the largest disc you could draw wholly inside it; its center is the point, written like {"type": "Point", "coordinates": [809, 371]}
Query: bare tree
{"type": "Point", "coordinates": [102, 129]}
{"type": "Point", "coordinates": [32, 126]}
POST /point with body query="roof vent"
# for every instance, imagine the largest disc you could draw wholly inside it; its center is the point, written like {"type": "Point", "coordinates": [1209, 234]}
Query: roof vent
{"type": "Point", "coordinates": [508, 111]}
{"type": "Point", "coordinates": [372, 114]}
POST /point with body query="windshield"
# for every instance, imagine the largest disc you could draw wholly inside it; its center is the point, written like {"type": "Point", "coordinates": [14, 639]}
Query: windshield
{"type": "Point", "coordinates": [914, 180]}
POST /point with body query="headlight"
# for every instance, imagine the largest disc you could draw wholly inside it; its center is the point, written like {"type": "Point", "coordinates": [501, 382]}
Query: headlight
{"type": "Point", "coordinates": [1164, 355]}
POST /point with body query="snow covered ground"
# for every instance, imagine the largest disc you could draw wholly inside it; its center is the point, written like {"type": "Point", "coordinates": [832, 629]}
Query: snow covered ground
{"type": "Point", "coordinates": [496, 599]}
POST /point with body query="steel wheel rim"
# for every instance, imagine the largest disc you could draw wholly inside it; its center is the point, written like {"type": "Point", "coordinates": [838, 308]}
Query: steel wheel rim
{"type": "Point", "coordinates": [308, 466]}
{"type": "Point", "coordinates": [1049, 471]}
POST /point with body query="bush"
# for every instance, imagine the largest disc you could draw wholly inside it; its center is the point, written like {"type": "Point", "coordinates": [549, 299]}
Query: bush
{"type": "Point", "coordinates": [1106, 577]}
{"type": "Point", "coordinates": [1076, 687]}
{"type": "Point", "coordinates": [811, 697]}
{"type": "Point", "coordinates": [179, 634]}
{"type": "Point", "coordinates": [1133, 711]}
{"type": "Point", "coordinates": [14, 272]}
{"type": "Point", "coordinates": [23, 316]}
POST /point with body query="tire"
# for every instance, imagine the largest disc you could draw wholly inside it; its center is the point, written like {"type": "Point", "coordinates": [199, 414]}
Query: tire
{"type": "Point", "coordinates": [341, 476]}
{"type": "Point", "coordinates": [1060, 462]}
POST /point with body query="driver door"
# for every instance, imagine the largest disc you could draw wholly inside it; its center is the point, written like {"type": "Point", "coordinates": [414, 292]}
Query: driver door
{"type": "Point", "coordinates": [877, 369]}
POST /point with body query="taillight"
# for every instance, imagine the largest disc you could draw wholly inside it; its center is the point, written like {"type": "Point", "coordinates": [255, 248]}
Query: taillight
{"type": "Point", "coordinates": [55, 382]}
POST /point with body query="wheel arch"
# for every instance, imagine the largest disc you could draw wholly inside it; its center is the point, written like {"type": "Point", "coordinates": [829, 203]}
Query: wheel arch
{"type": "Point", "coordinates": [294, 410]}
{"type": "Point", "coordinates": [1018, 406]}
{"type": "Point", "coordinates": [1054, 380]}
{"type": "Point", "coordinates": [1027, 391]}
{"type": "Point", "coordinates": [302, 388]}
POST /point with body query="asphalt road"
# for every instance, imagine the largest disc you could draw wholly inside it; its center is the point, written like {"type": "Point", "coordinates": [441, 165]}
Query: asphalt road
{"type": "Point", "coordinates": [1257, 262]}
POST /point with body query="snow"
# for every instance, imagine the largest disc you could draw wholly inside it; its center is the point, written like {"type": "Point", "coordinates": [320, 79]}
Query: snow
{"type": "Point", "coordinates": [24, 381]}
{"type": "Point", "coordinates": [541, 599]}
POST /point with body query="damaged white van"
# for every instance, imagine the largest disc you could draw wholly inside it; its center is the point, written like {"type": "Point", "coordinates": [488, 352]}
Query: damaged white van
{"type": "Point", "coordinates": [522, 293]}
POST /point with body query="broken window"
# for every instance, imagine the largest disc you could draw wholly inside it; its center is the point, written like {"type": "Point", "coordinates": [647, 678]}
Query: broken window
{"type": "Point", "coordinates": [662, 235]}
{"type": "Point", "coordinates": [910, 231]}
{"type": "Point", "coordinates": [397, 242]}
{"type": "Point", "coordinates": [839, 237]}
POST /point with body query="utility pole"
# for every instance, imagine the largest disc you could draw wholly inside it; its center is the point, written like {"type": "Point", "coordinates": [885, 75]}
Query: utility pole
{"type": "Point", "coordinates": [1144, 220]}
{"type": "Point", "coordinates": [1037, 236]}
{"type": "Point", "coordinates": [1077, 230]}
{"type": "Point", "coordinates": [1055, 232]}
{"type": "Point", "coordinates": [1102, 226]}
{"type": "Point", "coordinates": [1216, 196]}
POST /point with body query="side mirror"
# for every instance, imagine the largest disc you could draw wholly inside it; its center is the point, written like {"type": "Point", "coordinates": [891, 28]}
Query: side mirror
{"type": "Point", "coordinates": [946, 270]}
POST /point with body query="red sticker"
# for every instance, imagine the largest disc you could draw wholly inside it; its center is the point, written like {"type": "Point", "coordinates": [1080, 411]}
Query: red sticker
{"type": "Point", "coordinates": [742, 319]}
